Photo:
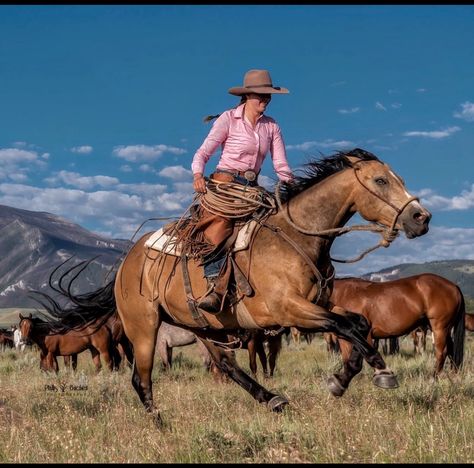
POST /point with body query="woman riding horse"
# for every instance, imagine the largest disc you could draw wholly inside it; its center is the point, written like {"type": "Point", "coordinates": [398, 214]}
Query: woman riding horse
{"type": "Point", "coordinates": [292, 292]}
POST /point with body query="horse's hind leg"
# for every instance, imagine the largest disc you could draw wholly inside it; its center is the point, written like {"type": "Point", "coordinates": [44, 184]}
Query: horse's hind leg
{"type": "Point", "coordinates": [227, 364]}
{"type": "Point", "coordinates": [274, 347]}
{"type": "Point", "coordinates": [74, 362]}
{"type": "Point", "coordinates": [96, 359]}
{"type": "Point", "coordinates": [442, 341]}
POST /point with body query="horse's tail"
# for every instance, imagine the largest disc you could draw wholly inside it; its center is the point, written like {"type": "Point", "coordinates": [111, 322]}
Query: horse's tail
{"type": "Point", "coordinates": [89, 309]}
{"type": "Point", "coordinates": [459, 332]}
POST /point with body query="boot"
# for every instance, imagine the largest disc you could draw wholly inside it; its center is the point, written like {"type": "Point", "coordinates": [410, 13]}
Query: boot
{"type": "Point", "coordinates": [212, 301]}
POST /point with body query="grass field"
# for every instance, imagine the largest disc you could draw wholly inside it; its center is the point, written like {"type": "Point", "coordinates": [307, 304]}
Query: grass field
{"type": "Point", "coordinates": [85, 417]}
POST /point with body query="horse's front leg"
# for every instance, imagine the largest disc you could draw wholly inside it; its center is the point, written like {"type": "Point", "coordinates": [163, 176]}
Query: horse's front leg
{"type": "Point", "coordinates": [226, 363]}
{"type": "Point", "coordinates": [351, 327]}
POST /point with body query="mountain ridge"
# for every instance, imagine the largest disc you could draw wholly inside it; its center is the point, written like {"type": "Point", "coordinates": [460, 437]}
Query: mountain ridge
{"type": "Point", "coordinates": [33, 244]}
{"type": "Point", "coordinates": [459, 271]}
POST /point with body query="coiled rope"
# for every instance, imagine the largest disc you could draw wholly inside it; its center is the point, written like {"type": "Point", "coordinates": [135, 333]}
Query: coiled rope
{"type": "Point", "coordinates": [232, 200]}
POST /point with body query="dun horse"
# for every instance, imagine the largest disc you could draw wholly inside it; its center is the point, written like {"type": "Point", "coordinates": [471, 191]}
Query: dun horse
{"type": "Point", "coordinates": [395, 308]}
{"type": "Point", "coordinates": [293, 291]}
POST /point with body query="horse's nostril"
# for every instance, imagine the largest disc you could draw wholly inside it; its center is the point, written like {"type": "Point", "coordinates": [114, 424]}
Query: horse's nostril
{"type": "Point", "coordinates": [420, 217]}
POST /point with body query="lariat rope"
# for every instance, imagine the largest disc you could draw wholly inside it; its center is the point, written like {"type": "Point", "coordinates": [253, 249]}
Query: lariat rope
{"type": "Point", "coordinates": [231, 200]}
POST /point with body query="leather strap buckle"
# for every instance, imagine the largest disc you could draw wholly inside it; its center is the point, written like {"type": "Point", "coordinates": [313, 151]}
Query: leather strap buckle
{"type": "Point", "coordinates": [250, 175]}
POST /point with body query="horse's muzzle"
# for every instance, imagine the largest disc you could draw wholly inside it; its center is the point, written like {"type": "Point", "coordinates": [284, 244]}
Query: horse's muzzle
{"type": "Point", "coordinates": [414, 220]}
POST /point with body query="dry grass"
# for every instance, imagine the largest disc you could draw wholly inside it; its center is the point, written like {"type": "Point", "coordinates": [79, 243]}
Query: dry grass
{"type": "Point", "coordinates": [206, 422]}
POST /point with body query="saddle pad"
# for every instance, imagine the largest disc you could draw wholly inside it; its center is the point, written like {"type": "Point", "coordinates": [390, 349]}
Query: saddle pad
{"type": "Point", "coordinates": [162, 242]}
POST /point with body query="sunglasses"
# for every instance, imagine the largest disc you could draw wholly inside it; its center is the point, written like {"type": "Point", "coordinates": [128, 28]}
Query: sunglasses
{"type": "Point", "coordinates": [262, 97]}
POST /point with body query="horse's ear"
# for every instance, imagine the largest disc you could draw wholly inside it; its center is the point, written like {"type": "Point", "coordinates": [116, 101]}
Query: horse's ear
{"type": "Point", "coordinates": [353, 159]}
{"type": "Point", "coordinates": [31, 315]}
{"type": "Point", "coordinates": [21, 316]}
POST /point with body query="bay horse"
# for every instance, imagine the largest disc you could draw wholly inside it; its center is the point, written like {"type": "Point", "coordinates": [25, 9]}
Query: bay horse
{"type": "Point", "coordinates": [70, 342]}
{"type": "Point", "coordinates": [419, 335]}
{"type": "Point", "coordinates": [6, 339]}
{"type": "Point", "coordinates": [121, 347]}
{"type": "Point", "coordinates": [469, 322]}
{"type": "Point", "coordinates": [292, 291]}
{"type": "Point", "coordinates": [396, 308]}
{"type": "Point", "coordinates": [255, 345]}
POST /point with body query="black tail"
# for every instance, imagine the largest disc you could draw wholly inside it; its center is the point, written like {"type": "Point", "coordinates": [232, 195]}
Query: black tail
{"type": "Point", "coordinates": [93, 308]}
{"type": "Point", "coordinates": [459, 332]}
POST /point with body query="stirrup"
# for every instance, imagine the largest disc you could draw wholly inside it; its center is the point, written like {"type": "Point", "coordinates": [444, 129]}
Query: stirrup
{"type": "Point", "coordinates": [211, 301]}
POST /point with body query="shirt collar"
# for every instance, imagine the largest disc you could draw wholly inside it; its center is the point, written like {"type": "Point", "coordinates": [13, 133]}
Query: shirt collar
{"type": "Point", "coordinates": [239, 112]}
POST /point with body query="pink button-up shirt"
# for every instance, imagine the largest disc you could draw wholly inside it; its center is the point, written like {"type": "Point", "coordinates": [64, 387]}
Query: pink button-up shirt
{"type": "Point", "coordinates": [243, 147]}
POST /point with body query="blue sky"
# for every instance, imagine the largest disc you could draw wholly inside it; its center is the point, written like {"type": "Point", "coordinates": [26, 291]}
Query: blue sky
{"type": "Point", "coordinates": [102, 106]}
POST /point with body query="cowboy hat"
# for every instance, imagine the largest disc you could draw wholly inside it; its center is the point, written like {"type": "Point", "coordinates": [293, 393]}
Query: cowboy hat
{"type": "Point", "coordinates": [257, 81]}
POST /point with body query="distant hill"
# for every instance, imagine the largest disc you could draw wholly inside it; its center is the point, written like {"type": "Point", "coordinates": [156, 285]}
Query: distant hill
{"type": "Point", "coordinates": [460, 272]}
{"type": "Point", "coordinates": [33, 244]}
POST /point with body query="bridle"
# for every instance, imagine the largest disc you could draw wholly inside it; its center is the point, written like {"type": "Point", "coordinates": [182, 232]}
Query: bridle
{"type": "Point", "coordinates": [398, 210]}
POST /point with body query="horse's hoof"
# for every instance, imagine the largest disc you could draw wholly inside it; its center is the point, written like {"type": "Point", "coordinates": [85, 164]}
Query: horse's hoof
{"type": "Point", "coordinates": [156, 418]}
{"type": "Point", "coordinates": [278, 403]}
{"type": "Point", "coordinates": [385, 379]}
{"type": "Point", "coordinates": [335, 386]}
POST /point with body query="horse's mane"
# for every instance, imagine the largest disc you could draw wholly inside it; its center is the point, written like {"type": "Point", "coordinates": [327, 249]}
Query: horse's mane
{"type": "Point", "coordinates": [317, 170]}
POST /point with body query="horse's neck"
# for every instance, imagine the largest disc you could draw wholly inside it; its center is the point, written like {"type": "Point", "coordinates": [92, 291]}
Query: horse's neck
{"type": "Point", "coordinates": [326, 205]}
{"type": "Point", "coordinates": [39, 334]}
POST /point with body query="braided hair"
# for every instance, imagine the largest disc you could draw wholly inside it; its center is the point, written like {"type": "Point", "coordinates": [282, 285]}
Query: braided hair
{"type": "Point", "coordinates": [208, 118]}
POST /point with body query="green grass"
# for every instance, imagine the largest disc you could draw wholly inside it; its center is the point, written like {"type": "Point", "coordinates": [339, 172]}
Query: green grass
{"type": "Point", "coordinates": [422, 421]}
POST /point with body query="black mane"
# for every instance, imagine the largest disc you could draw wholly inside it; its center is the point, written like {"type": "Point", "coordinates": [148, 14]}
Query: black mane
{"type": "Point", "coordinates": [316, 171]}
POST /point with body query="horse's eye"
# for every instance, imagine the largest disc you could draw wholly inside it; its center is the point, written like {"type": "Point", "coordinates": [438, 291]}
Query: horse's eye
{"type": "Point", "coordinates": [381, 181]}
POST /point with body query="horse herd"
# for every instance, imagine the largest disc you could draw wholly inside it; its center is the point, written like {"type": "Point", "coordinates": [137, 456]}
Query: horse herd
{"type": "Point", "coordinates": [412, 305]}
{"type": "Point", "coordinates": [288, 283]}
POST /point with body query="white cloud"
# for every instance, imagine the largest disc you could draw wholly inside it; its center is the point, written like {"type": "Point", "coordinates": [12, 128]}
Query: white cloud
{"type": "Point", "coordinates": [18, 177]}
{"type": "Point", "coordinates": [113, 211]}
{"type": "Point", "coordinates": [184, 187]}
{"type": "Point", "coordinates": [421, 90]}
{"type": "Point", "coordinates": [17, 156]}
{"type": "Point", "coordinates": [176, 173]}
{"type": "Point", "coordinates": [352, 110]}
{"type": "Point", "coordinates": [147, 168]}
{"type": "Point", "coordinates": [143, 190]}
{"type": "Point", "coordinates": [380, 106]}
{"type": "Point", "coordinates": [341, 144]}
{"type": "Point", "coordinates": [436, 134]}
{"type": "Point", "coordinates": [125, 168]}
{"type": "Point", "coordinates": [467, 112]}
{"type": "Point", "coordinates": [396, 105]}
{"type": "Point", "coordinates": [82, 149]}
{"type": "Point", "coordinates": [140, 153]}
{"type": "Point", "coordinates": [464, 201]}
{"type": "Point", "coordinates": [85, 183]}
